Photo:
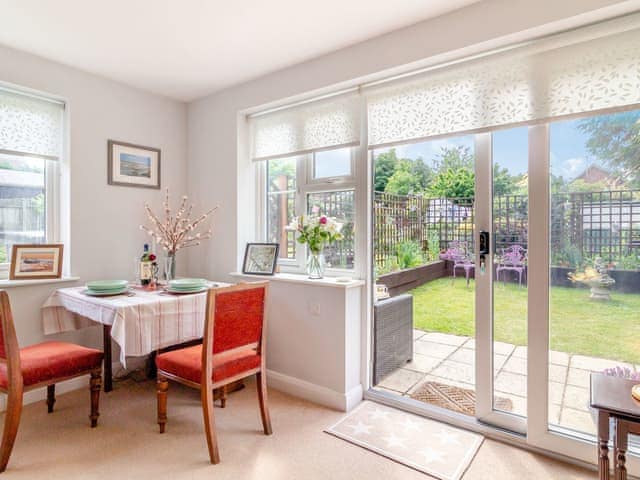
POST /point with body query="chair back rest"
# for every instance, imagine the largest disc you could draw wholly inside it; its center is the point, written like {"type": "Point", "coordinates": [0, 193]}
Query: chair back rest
{"type": "Point", "coordinates": [235, 320]}
{"type": "Point", "coordinates": [514, 255]}
{"type": "Point", "coordinates": [9, 349]}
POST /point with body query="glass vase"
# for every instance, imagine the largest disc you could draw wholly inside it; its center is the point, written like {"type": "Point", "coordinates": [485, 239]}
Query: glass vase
{"type": "Point", "coordinates": [170, 267]}
{"type": "Point", "coordinates": [315, 265]}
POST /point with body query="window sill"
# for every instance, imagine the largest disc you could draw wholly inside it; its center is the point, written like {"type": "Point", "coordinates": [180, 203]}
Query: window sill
{"type": "Point", "coordinates": [23, 283]}
{"type": "Point", "coordinates": [302, 279]}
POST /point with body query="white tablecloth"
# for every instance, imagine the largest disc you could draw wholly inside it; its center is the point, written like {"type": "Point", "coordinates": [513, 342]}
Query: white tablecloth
{"type": "Point", "coordinates": [140, 324]}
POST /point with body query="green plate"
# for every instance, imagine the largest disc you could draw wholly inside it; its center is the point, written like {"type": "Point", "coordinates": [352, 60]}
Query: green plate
{"type": "Point", "coordinates": [107, 285]}
{"type": "Point", "coordinates": [188, 283]}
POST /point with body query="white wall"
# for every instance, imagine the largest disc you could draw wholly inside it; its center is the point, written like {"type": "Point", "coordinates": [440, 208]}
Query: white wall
{"type": "Point", "coordinates": [220, 171]}
{"type": "Point", "coordinates": [104, 219]}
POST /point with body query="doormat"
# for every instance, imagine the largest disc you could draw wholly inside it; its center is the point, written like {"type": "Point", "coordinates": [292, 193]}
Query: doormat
{"type": "Point", "coordinates": [456, 399]}
{"type": "Point", "coordinates": [426, 445]}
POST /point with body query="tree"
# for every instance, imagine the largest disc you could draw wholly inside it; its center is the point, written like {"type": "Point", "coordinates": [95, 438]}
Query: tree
{"type": "Point", "coordinates": [454, 183]}
{"type": "Point", "coordinates": [422, 173]}
{"type": "Point", "coordinates": [455, 177]}
{"type": "Point", "coordinates": [615, 139]}
{"type": "Point", "coordinates": [385, 166]}
{"type": "Point", "coordinates": [503, 182]}
{"type": "Point", "coordinates": [403, 181]}
{"type": "Point", "coordinates": [454, 157]}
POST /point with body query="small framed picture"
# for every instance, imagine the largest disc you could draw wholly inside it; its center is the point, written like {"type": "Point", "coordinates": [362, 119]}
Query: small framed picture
{"type": "Point", "coordinates": [133, 165]}
{"type": "Point", "coordinates": [30, 262]}
{"type": "Point", "coordinates": [260, 258]}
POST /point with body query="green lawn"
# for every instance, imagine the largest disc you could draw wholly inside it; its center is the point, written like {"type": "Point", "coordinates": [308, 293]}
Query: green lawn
{"type": "Point", "coordinates": [578, 325]}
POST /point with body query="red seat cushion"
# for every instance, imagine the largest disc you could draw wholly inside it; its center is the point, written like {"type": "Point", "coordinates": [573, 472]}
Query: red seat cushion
{"type": "Point", "coordinates": [187, 363]}
{"type": "Point", "coordinates": [50, 360]}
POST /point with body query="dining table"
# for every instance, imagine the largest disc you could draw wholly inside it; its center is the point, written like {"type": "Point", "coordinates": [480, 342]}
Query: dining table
{"type": "Point", "coordinates": [141, 321]}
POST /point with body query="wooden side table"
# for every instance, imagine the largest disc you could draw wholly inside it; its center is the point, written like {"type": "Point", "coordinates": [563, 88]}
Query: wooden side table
{"type": "Point", "coordinates": [611, 396]}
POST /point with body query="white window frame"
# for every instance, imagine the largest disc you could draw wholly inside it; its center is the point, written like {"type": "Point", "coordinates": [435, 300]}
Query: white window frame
{"type": "Point", "coordinates": [52, 208]}
{"type": "Point", "coordinates": [305, 185]}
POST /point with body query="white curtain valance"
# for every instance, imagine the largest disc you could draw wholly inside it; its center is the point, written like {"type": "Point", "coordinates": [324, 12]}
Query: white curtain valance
{"type": "Point", "coordinates": [30, 125]}
{"type": "Point", "coordinates": [572, 73]}
{"type": "Point", "coordinates": [318, 125]}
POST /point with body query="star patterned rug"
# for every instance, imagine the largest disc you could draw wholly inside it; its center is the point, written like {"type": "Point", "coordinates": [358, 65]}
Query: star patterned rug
{"type": "Point", "coordinates": [426, 445]}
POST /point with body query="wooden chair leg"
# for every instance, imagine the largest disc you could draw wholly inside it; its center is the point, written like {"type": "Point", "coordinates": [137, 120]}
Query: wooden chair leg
{"type": "Point", "coordinates": [206, 396]}
{"type": "Point", "coordinates": [95, 384]}
{"type": "Point", "coordinates": [223, 396]}
{"type": "Point", "coordinates": [11, 424]}
{"type": "Point", "coordinates": [162, 385]}
{"type": "Point", "coordinates": [261, 382]}
{"type": "Point", "coordinates": [51, 397]}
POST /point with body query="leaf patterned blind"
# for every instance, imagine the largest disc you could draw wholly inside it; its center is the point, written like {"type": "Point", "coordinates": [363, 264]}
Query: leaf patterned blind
{"type": "Point", "coordinates": [585, 70]}
{"type": "Point", "coordinates": [318, 125]}
{"type": "Point", "coordinates": [30, 125]}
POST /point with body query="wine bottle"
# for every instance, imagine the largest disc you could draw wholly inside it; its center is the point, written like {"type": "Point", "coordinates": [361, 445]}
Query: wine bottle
{"type": "Point", "coordinates": [145, 267]}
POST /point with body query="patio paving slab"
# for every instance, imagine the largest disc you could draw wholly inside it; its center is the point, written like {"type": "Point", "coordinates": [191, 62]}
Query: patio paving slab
{"type": "Point", "coordinates": [433, 349]}
{"type": "Point", "coordinates": [401, 380]}
{"type": "Point", "coordinates": [450, 359]}
{"type": "Point", "coordinates": [513, 383]}
{"type": "Point", "coordinates": [596, 364]}
{"type": "Point", "coordinates": [559, 358]}
{"type": "Point", "coordinates": [461, 372]}
{"type": "Point", "coordinates": [558, 373]}
{"type": "Point", "coordinates": [423, 363]}
{"type": "Point", "coordinates": [578, 420]}
{"type": "Point", "coordinates": [418, 334]}
{"type": "Point", "coordinates": [579, 377]}
{"type": "Point", "coordinates": [516, 365]}
{"type": "Point", "coordinates": [445, 338]}
{"type": "Point", "coordinates": [576, 397]}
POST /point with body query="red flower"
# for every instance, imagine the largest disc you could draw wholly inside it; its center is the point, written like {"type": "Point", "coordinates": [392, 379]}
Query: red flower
{"type": "Point", "coordinates": [323, 220]}
{"type": "Point", "coordinates": [152, 257]}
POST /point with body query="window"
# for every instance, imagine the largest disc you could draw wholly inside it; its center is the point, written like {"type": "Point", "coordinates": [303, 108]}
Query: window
{"type": "Point", "coordinates": [30, 146]}
{"type": "Point", "coordinates": [315, 183]}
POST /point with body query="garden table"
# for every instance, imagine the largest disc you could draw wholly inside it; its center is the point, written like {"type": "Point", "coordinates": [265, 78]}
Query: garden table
{"type": "Point", "coordinates": [140, 323]}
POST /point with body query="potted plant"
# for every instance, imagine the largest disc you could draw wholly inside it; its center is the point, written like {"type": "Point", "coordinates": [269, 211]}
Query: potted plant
{"type": "Point", "coordinates": [597, 279]}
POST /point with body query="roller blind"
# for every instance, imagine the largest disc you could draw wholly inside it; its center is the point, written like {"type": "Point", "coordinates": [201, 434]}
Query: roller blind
{"type": "Point", "coordinates": [590, 69]}
{"type": "Point", "coordinates": [318, 125]}
{"type": "Point", "coordinates": [30, 125]}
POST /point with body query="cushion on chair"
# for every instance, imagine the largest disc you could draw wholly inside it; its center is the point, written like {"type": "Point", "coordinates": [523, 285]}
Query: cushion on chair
{"type": "Point", "coordinates": [187, 363]}
{"type": "Point", "coordinates": [51, 360]}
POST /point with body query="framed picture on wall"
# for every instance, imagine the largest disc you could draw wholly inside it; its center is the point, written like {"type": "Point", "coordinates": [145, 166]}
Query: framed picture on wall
{"type": "Point", "coordinates": [36, 261]}
{"type": "Point", "coordinates": [260, 258]}
{"type": "Point", "coordinates": [133, 165]}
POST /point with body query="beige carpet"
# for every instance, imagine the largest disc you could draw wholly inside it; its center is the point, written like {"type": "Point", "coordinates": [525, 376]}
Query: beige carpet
{"type": "Point", "coordinates": [432, 447]}
{"type": "Point", "coordinates": [126, 445]}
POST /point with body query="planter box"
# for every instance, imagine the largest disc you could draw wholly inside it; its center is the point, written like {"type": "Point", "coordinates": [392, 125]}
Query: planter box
{"type": "Point", "coordinates": [405, 280]}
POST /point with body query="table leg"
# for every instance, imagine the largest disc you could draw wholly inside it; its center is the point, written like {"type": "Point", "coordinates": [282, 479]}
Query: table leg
{"type": "Point", "coordinates": [603, 445]}
{"type": "Point", "coordinates": [106, 345]}
{"type": "Point", "coordinates": [620, 448]}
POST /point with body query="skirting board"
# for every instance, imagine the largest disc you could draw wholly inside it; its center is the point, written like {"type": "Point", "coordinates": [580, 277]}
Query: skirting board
{"type": "Point", "coordinates": [315, 393]}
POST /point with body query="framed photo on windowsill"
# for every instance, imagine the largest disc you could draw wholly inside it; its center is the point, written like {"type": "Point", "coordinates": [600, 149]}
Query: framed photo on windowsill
{"type": "Point", "coordinates": [36, 261]}
{"type": "Point", "coordinates": [260, 258]}
{"type": "Point", "coordinates": [133, 165]}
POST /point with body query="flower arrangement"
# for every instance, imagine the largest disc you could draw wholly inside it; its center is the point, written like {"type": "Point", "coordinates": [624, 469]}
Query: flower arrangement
{"type": "Point", "coordinates": [596, 278]}
{"type": "Point", "coordinates": [179, 231]}
{"type": "Point", "coordinates": [316, 230]}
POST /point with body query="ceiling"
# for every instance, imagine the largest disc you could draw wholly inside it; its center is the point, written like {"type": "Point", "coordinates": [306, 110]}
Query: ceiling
{"type": "Point", "coordinates": [187, 49]}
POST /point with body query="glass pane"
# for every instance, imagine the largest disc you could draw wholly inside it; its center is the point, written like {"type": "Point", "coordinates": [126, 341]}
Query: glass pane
{"type": "Point", "coordinates": [423, 234]}
{"type": "Point", "coordinates": [510, 226]}
{"type": "Point", "coordinates": [340, 205]}
{"type": "Point", "coordinates": [594, 259]}
{"type": "Point", "coordinates": [22, 202]}
{"type": "Point", "coordinates": [332, 163]}
{"type": "Point", "coordinates": [281, 191]}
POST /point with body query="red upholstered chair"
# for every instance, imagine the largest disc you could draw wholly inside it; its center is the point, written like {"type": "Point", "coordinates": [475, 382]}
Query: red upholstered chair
{"type": "Point", "coordinates": [36, 366]}
{"type": "Point", "coordinates": [233, 347]}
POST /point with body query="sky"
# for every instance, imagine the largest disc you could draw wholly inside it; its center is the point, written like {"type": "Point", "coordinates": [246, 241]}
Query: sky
{"type": "Point", "coordinates": [569, 155]}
